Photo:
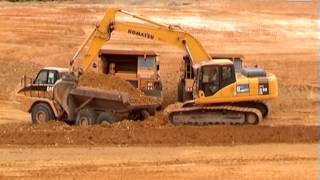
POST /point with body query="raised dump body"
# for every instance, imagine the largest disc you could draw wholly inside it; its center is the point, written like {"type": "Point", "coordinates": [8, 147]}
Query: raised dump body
{"type": "Point", "coordinates": [140, 68]}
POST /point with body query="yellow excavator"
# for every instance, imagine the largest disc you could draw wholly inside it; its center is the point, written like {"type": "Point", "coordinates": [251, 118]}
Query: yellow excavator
{"type": "Point", "coordinates": [220, 94]}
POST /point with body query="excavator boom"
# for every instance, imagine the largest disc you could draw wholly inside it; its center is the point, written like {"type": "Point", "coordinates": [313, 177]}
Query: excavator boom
{"type": "Point", "coordinates": [149, 29]}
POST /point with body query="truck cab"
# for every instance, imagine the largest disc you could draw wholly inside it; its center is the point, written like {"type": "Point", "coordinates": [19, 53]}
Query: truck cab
{"type": "Point", "coordinates": [37, 94]}
{"type": "Point", "coordinates": [140, 68]}
{"type": "Point", "coordinates": [42, 85]}
{"type": "Point", "coordinates": [48, 76]}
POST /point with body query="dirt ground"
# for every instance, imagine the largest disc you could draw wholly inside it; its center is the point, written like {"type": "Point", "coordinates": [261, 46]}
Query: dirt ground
{"type": "Point", "coordinates": [279, 36]}
{"type": "Point", "coordinates": [297, 161]}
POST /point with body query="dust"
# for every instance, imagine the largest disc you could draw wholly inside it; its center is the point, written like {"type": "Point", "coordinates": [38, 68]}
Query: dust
{"type": "Point", "coordinates": [109, 82]}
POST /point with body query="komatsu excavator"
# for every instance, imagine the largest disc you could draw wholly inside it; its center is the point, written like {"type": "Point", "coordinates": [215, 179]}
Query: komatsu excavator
{"type": "Point", "coordinates": [220, 95]}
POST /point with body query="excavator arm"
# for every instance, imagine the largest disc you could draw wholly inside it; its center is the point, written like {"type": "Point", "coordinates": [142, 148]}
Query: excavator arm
{"type": "Point", "coordinates": [149, 29]}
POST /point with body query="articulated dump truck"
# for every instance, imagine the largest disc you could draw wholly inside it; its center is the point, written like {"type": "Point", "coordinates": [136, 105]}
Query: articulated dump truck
{"type": "Point", "coordinates": [54, 94]}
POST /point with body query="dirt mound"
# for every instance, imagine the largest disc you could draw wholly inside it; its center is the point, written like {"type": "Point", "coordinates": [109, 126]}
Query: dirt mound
{"type": "Point", "coordinates": [108, 82]}
{"type": "Point", "coordinates": [135, 133]}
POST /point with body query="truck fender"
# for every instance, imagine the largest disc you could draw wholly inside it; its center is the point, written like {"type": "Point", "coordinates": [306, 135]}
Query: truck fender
{"type": "Point", "coordinates": [50, 104]}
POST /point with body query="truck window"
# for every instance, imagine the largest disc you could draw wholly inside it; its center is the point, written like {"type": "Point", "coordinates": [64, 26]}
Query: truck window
{"type": "Point", "coordinates": [51, 77]}
{"type": "Point", "coordinates": [41, 78]}
{"type": "Point", "coordinates": [148, 63]}
{"type": "Point", "coordinates": [46, 77]}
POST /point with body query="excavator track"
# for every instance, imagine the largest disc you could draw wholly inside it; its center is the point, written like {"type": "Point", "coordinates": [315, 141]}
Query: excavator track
{"type": "Point", "coordinates": [224, 114]}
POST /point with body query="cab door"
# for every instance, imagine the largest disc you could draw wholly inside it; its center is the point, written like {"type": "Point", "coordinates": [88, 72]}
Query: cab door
{"type": "Point", "coordinates": [43, 85]}
{"type": "Point", "coordinates": [217, 80]}
{"type": "Point", "coordinates": [210, 80]}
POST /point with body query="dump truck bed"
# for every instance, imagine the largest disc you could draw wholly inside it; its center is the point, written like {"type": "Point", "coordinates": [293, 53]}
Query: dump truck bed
{"type": "Point", "coordinates": [105, 100]}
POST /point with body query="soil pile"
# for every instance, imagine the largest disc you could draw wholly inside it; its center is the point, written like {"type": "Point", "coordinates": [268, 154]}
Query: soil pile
{"type": "Point", "coordinates": [108, 82]}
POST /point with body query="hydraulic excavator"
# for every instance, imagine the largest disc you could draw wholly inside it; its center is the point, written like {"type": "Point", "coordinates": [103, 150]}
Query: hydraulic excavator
{"type": "Point", "coordinates": [220, 95]}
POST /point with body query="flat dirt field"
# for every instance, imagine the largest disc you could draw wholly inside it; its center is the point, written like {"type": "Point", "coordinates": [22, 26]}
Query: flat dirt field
{"type": "Point", "coordinates": [284, 161]}
{"type": "Point", "coordinates": [279, 36]}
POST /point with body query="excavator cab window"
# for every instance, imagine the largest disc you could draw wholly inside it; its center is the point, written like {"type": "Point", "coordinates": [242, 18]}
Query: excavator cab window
{"type": "Point", "coordinates": [210, 80]}
{"type": "Point", "coordinates": [228, 75]}
{"type": "Point", "coordinates": [214, 78]}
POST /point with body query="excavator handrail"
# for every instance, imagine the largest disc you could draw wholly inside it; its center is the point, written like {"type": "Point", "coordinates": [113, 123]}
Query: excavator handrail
{"type": "Point", "coordinates": [152, 30]}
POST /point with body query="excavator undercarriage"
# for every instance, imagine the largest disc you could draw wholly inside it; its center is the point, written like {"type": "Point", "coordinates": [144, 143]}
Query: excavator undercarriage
{"type": "Point", "coordinates": [227, 113]}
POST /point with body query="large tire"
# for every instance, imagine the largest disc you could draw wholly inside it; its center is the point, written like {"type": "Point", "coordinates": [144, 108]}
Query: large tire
{"type": "Point", "coordinates": [107, 117]}
{"type": "Point", "coordinates": [41, 113]}
{"type": "Point", "coordinates": [85, 117]}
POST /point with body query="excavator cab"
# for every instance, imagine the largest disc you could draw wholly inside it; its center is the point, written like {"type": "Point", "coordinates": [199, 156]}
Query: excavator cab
{"type": "Point", "coordinates": [213, 76]}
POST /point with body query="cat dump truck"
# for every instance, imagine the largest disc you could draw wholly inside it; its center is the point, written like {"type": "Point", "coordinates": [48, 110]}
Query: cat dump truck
{"type": "Point", "coordinates": [139, 68]}
{"type": "Point", "coordinates": [54, 94]}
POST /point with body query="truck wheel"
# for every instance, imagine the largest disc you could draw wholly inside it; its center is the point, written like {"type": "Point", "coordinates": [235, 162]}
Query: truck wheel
{"type": "Point", "coordinates": [107, 117]}
{"type": "Point", "coordinates": [85, 117]}
{"type": "Point", "coordinates": [41, 113]}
